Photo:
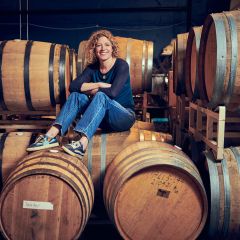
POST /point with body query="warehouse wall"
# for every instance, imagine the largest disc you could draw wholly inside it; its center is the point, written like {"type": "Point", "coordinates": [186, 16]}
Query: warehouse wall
{"type": "Point", "coordinates": [72, 21]}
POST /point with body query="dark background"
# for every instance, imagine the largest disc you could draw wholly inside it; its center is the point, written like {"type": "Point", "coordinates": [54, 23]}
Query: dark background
{"type": "Point", "coordinates": [71, 21]}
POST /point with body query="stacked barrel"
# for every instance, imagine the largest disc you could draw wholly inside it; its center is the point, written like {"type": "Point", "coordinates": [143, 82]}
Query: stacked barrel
{"type": "Point", "coordinates": [211, 62]}
{"type": "Point", "coordinates": [208, 75]}
{"type": "Point", "coordinates": [49, 193]}
{"type": "Point", "coordinates": [34, 75]}
{"type": "Point", "coordinates": [218, 63]}
{"type": "Point", "coordinates": [38, 190]}
{"type": "Point", "coordinates": [150, 188]}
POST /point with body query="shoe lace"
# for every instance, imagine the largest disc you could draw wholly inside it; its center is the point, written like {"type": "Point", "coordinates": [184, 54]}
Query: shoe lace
{"type": "Point", "coordinates": [40, 139]}
{"type": "Point", "coordinates": [75, 144]}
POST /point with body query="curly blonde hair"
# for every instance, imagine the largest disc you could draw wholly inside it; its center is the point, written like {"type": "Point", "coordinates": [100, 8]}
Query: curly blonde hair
{"type": "Point", "coordinates": [91, 44]}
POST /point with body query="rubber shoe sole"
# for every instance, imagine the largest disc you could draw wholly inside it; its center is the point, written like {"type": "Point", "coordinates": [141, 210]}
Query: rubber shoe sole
{"type": "Point", "coordinates": [32, 149]}
{"type": "Point", "coordinates": [72, 153]}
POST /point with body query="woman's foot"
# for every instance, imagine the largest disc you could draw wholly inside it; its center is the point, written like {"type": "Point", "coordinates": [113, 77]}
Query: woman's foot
{"type": "Point", "coordinates": [43, 142]}
{"type": "Point", "coordinates": [75, 148]}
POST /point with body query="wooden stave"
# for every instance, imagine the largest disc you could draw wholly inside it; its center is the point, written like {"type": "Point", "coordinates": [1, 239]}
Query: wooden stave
{"type": "Point", "coordinates": [192, 91]}
{"type": "Point", "coordinates": [73, 64]}
{"type": "Point", "coordinates": [9, 160]}
{"type": "Point", "coordinates": [81, 58]}
{"type": "Point", "coordinates": [179, 64]}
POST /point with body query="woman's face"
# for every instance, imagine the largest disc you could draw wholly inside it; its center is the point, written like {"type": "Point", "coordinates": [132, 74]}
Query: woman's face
{"type": "Point", "coordinates": [103, 49]}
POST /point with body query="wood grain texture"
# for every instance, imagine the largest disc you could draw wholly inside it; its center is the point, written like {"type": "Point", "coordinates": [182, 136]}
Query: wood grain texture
{"type": "Point", "coordinates": [13, 150]}
{"type": "Point", "coordinates": [55, 178]}
{"type": "Point", "coordinates": [104, 147]}
{"type": "Point", "coordinates": [219, 69]}
{"type": "Point", "coordinates": [191, 63]}
{"type": "Point", "coordinates": [224, 219]}
{"type": "Point", "coordinates": [179, 63]}
{"type": "Point", "coordinates": [73, 64]}
{"type": "Point", "coordinates": [13, 78]}
{"type": "Point", "coordinates": [152, 190]}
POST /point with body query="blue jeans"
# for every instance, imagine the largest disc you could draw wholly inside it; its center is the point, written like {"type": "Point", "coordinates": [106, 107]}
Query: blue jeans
{"type": "Point", "coordinates": [100, 111]}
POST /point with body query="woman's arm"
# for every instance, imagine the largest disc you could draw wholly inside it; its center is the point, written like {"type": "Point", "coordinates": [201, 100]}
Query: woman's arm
{"type": "Point", "coordinates": [83, 82]}
{"type": "Point", "coordinates": [94, 86]}
{"type": "Point", "coordinates": [85, 77]}
{"type": "Point", "coordinates": [88, 87]}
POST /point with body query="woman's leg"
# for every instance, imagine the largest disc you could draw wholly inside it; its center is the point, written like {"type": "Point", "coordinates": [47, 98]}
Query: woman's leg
{"type": "Point", "coordinates": [118, 117]}
{"type": "Point", "coordinates": [75, 104]}
{"type": "Point", "coordinates": [53, 131]}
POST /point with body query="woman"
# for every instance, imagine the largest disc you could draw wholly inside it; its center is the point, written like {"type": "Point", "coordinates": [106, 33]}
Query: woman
{"type": "Point", "coordinates": [110, 105]}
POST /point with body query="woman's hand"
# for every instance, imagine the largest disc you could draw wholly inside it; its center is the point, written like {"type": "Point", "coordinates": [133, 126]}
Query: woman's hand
{"type": "Point", "coordinates": [89, 87]}
{"type": "Point", "coordinates": [94, 86]}
{"type": "Point", "coordinates": [104, 85]}
{"type": "Point", "coordinates": [93, 92]}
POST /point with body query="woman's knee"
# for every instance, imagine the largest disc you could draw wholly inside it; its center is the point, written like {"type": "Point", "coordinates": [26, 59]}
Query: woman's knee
{"type": "Point", "coordinates": [77, 95]}
{"type": "Point", "coordinates": [100, 96]}
{"type": "Point", "coordinates": [122, 124]}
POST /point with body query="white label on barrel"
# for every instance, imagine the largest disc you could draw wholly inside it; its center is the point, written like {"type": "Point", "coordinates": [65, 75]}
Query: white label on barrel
{"type": "Point", "coordinates": [37, 205]}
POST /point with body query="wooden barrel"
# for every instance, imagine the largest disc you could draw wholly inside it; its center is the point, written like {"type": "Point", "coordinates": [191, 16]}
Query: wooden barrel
{"type": "Point", "coordinates": [179, 56]}
{"type": "Point", "coordinates": [103, 147]}
{"type": "Point", "coordinates": [224, 217]}
{"type": "Point", "coordinates": [191, 63]}
{"type": "Point", "coordinates": [151, 126]}
{"type": "Point", "coordinates": [12, 149]}
{"type": "Point", "coordinates": [48, 196]}
{"type": "Point", "coordinates": [138, 54]}
{"type": "Point", "coordinates": [73, 64]}
{"type": "Point", "coordinates": [144, 125]}
{"type": "Point", "coordinates": [152, 190]}
{"type": "Point", "coordinates": [34, 75]}
{"type": "Point", "coordinates": [219, 68]}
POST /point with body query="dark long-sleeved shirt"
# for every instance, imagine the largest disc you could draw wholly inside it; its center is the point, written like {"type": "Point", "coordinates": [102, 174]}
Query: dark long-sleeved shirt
{"type": "Point", "coordinates": [118, 76]}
